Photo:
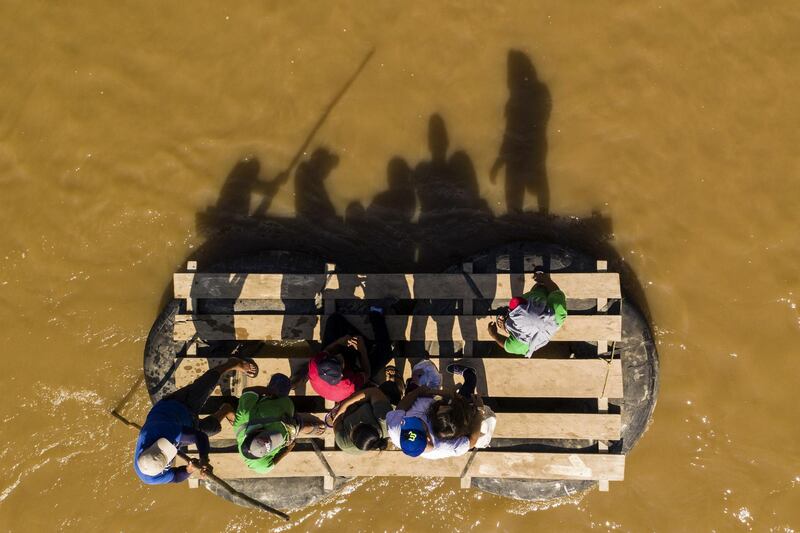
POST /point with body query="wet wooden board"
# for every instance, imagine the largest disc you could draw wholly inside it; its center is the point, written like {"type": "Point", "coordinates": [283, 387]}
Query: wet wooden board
{"type": "Point", "coordinates": [401, 327]}
{"type": "Point", "coordinates": [521, 465]}
{"type": "Point", "coordinates": [411, 286]}
{"type": "Point", "coordinates": [530, 425]}
{"type": "Point", "coordinates": [575, 466]}
{"type": "Point", "coordinates": [500, 377]}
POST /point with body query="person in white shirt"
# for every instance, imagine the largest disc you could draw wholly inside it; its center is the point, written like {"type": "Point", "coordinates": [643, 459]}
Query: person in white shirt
{"type": "Point", "coordinates": [435, 424]}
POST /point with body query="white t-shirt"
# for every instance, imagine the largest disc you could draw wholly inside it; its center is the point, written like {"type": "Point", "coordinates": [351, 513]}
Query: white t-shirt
{"type": "Point", "coordinates": [441, 447]}
{"type": "Point", "coordinates": [488, 423]}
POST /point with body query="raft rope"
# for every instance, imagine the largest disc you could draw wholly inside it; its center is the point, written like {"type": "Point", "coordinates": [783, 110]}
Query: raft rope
{"type": "Point", "coordinates": [608, 369]}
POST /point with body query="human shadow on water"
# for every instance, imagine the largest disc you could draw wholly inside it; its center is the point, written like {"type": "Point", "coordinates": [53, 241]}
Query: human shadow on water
{"type": "Point", "coordinates": [312, 201]}
{"type": "Point", "coordinates": [454, 221]}
{"type": "Point", "coordinates": [523, 151]}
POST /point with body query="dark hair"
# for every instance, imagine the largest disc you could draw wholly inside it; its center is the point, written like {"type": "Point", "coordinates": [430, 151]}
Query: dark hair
{"type": "Point", "coordinates": [366, 437]}
{"type": "Point", "coordinates": [451, 417]}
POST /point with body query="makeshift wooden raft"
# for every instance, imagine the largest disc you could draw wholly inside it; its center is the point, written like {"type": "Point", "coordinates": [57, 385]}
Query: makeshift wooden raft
{"type": "Point", "coordinates": [540, 377]}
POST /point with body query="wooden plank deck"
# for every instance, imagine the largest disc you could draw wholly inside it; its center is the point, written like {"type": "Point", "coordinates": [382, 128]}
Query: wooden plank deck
{"type": "Point", "coordinates": [498, 377]}
{"type": "Point", "coordinates": [530, 426]}
{"type": "Point", "coordinates": [412, 286]}
{"type": "Point", "coordinates": [577, 466]}
{"type": "Point", "coordinates": [503, 377]}
{"type": "Point", "coordinates": [401, 327]}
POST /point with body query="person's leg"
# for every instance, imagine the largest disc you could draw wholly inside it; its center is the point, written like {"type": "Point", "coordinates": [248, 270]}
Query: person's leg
{"type": "Point", "coordinates": [195, 395]}
{"type": "Point", "coordinates": [467, 389]}
{"type": "Point", "coordinates": [381, 352]}
{"type": "Point", "coordinates": [309, 425]}
{"type": "Point", "coordinates": [392, 391]}
{"type": "Point", "coordinates": [337, 326]}
{"type": "Point", "coordinates": [211, 425]}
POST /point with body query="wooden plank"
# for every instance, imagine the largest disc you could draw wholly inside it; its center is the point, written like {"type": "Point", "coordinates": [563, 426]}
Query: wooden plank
{"type": "Point", "coordinates": [548, 466]}
{"type": "Point", "coordinates": [191, 302]}
{"type": "Point", "coordinates": [230, 465]}
{"type": "Point", "coordinates": [359, 286]}
{"type": "Point", "coordinates": [529, 425]}
{"type": "Point", "coordinates": [500, 377]}
{"type": "Point", "coordinates": [395, 463]}
{"type": "Point", "coordinates": [401, 327]}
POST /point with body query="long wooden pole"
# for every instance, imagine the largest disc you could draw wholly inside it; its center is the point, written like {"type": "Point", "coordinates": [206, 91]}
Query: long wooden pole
{"type": "Point", "coordinates": [233, 493]}
{"type": "Point", "coordinates": [284, 176]}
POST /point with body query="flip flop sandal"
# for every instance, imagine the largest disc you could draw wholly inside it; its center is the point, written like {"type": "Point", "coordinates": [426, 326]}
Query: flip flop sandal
{"type": "Point", "coordinates": [249, 373]}
{"type": "Point", "coordinates": [331, 415]}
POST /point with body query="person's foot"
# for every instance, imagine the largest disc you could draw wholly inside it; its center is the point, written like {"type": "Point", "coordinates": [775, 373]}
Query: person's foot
{"type": "Point", "coordinates": [458, 369]}
{"type": "Point", "coordinates": [225, 412]}
{"type": "Point", "coordinates": [248, 367]}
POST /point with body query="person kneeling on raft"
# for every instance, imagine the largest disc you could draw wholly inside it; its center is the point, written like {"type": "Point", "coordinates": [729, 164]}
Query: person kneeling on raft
{"type": "Point", "coordinates": [532, 318]}
{"type": "Point", "coordinates": [174, 422]}
{"type": "Point", "coordinates": [348, 360]}
{"type": "Point", "coordinates": [435, 424]}
{"type": "Point", "coordinates": [266, 424]}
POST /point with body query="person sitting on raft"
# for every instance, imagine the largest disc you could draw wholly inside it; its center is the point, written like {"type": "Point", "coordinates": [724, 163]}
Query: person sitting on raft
{"type": "Point", "coordinates": [174, 422]}
{"type": "Point", "coordinates": [266, 425]}
{"type": "Point", "coordinates": [359, 423]}
{"type": "Point", "coordinates": [469, 416]}
{"type": "Point", "coordinates": [435, 424]}
{"type": "Point", "coordinates": [348, 361]}
{"type": "Point", "coordinates": [532, 319]}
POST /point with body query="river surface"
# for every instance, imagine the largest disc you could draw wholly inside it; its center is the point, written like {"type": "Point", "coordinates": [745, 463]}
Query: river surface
{"type": "Point", "coordinates": [676, 122]}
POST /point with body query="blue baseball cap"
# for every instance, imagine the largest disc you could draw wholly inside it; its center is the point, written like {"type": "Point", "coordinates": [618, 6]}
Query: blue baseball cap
{"type": "Point", "coordinates": [413, 436]}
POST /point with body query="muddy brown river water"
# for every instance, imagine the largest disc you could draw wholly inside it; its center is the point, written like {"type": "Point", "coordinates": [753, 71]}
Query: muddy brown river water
{"type": "Point", "coordinates": [677, 122]}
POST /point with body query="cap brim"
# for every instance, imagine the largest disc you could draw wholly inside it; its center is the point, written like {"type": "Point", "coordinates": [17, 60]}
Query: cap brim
{"type": "Point", "coordinates": [167, 448]}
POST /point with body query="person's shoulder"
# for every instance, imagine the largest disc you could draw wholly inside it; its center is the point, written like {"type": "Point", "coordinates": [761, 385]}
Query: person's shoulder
{"type": "Point", "coordinates": [395, 417]}
{"type": "Point", "coordinates": [284, 403]}
{"type": "Point", "coordinates": [261, 466]}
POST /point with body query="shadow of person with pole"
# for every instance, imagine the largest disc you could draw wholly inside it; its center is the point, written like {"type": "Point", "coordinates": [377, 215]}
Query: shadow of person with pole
{"type": "Point", "coordinates": [312, 201]}
{"type": "Point", "coordinates": [523, 151]}
{"type": "Point", "coordinates": [233, 202]}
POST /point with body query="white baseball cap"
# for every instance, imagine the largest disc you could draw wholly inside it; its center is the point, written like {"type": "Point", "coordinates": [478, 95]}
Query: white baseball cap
{"type": "Point", "coordinates": [156, 457]}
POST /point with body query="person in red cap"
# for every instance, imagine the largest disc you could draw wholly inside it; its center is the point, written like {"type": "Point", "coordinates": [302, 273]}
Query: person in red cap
{"type": "Point", "coordinates": [348, 361]}
{"type": "Point", "coordinates": [532, 318]}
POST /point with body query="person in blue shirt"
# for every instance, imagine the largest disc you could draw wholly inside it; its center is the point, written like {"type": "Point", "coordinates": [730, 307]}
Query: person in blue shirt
{"type": "Point", "coordinates": [174, 422]}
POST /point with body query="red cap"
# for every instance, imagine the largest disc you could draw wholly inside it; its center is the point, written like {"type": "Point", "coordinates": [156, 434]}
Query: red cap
{"type": "Point", "coordinates": [516, 301]}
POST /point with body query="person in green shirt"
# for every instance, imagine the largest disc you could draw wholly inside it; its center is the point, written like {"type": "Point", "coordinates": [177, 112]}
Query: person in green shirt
{"type": "Point", "coordinates": [532, 319]}
{"type": "Point", "coordinates": [359, 423]}
{"type": "Point", "coordinates": [266, 424]}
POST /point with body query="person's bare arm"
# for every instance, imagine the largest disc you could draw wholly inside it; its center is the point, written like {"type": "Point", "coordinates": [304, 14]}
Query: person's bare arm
{"type": "Point", "coordinates": [544, 280]}
{"type": "Point", "coordinates": [336, 346]}
{"type": "Point", "coordinates": [353, 399]}
{"type": "Point", "coordinates": [498, 337]}
{"type": "Point", "coordinates": [409, 399]}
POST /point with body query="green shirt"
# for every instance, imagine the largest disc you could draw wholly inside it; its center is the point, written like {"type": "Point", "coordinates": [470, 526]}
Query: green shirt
{"type": "Point", "coordinates": [365, 412]}
{"type": "Point", "coordinates": [252, 406]}
{"type": "Point", "coordinates": [556, 300]}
